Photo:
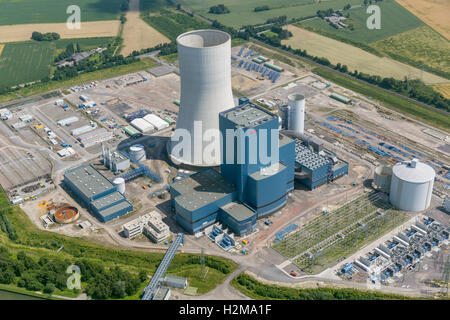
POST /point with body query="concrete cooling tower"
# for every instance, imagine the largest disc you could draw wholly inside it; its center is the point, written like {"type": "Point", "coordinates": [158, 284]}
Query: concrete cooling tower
{"type": "Point", "coordinates": [205, 71]}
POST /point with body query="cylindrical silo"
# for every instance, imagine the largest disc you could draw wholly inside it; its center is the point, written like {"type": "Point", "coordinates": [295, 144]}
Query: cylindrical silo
{"type": "Point", "coordinates": [382, 178]}
{"type": "Point", "coordinates": [137, 151]}
{"type": "Point", "coordinates": [120, 183]}
{"type": "Point", "coordinates": [296, 103]}
{"type": "Point", "coordinates": [205, 70]}
{"type": "Point", "coordinates": [411, 185]}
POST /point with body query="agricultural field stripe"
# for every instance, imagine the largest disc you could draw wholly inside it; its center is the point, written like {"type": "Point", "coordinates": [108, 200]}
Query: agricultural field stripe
{"type": "Point", "coordinates": [1, 48]}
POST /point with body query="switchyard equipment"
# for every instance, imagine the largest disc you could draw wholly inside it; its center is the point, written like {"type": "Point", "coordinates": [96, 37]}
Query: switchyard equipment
{"type": "Point", "coordinates": [205, 71]}
{"type": "Point", "coordinates": [151, 289]}
{"type": "Point", "coordinates": [411, 185]}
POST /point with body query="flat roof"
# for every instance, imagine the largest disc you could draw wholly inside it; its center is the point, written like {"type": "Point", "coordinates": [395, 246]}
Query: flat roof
{"type": "Point", "coordinates": [111, 210]}
{"type": "Point", "coordinates": [419, 174]}
{"type": "Point", "coordinates": [238, 211]}
{"type": "Point", "coordinates": [248, 115]}
{"type": "Point", "coordinates": [88, 180]}
{"type": "Point", "coordinates": [268, 171]}
{"type": "Point", "coordinates": [108, 199]}
{"type": "Point", "coordinates": [202, 188]}
{"type": "Point", "coordinates": [283, 140]}
{"type": "Point", "coordinates": [161, 293]}
{"type": "Point", "coordinates": [118, 156]}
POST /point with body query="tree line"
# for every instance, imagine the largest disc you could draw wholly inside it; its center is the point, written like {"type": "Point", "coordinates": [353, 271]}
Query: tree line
{"type": "Point", "coordinates": [49, 36]}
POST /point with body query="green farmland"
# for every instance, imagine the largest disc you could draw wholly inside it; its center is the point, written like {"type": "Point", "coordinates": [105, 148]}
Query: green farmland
{"type": "Point", "coordinates": [172, 24]}
{"type": "Point", "coordinates": [25, 62]}
{"type": "Point", "coordinates": [242, 12]}
{"type": "Point", "coordinates": [48, 11]}
{"type": "Point", "coordinates": [394, 19]}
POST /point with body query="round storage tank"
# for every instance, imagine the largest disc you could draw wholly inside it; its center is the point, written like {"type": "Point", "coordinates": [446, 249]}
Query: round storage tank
{"type": "Point", "coordinates": [411, 185]}
{"type": "Point", "coordinates": [66, 214]}
{"type": "Point", "coordinates": [382, 178]}
{"type": "Point", "coordinates": [120, 183]}
{"type": "Point", "coordinates": [137, 151]}
{"type": "Point", "coordinates": [297, 112]}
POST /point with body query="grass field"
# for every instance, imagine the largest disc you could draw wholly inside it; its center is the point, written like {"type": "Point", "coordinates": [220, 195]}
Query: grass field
{"type": "Point", "coordinates": [87, 77]}
{"type": "Point", "coordinates": [444, 89]}
{"type": "Point", "coordinates": [242, 12]}
{"type": "Point", "coordinates": [394, 20]}
{"type": "Point", "coordinates": [47, 11]}
{"type": "Point", "coordinates": [85, 43]}
{"type": "Point", "coordinates": [432, 12]}
{"type": "Point", "coordinates": [172, 24]}
{"type": "Point", "coordinates": [355, 58]}
{"type": "Point", "coordinates": [421, 45]}
{"type": "Point", "coordinates": [25, 62]}
{"type": "Point", "coordinates": [389, 100]}
{"type": "Point", "coordinates": [137, 34]}
{"type": "Point", "coordinates": [22, 32]}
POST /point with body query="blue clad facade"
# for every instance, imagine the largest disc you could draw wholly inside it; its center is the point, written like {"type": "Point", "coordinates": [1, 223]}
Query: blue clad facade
{"type": "Point", "coordinates": [97, 193]}
{"type": "Point", "coordinates": [250, 185]}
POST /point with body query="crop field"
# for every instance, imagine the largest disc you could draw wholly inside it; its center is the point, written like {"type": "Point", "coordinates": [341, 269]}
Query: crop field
{"type": "Point", "coordinates": [137, 34]}
{"type": "Point", "coordinates": [444, 89]}
{"type": "Point", "coordinates": [22, 32]}
{"type": "Point", "coordinates": [394, 20]}
{"type": "Point", "coordinates": [25, 62]}
{"type": "Point", "coordinates": [172, 24]}
{"type": "Point", "coordinates": [46, 11]}
{"type": "Point", "coordinates": [433, 12]}
{"type": "Point", "coordinates": [242, 12]}
{"type": "Point", "coordinates": [355, 58]}
{"type": "Point", "coordinates": [420, 45]}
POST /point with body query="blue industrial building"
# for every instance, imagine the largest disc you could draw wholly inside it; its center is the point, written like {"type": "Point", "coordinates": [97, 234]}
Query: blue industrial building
{"type": "Point", "coordinates": [316, 167]}
{"type": "Point", "coordinates": [97, 193]}
{"type": "Point", "coordinates": [250, 184]}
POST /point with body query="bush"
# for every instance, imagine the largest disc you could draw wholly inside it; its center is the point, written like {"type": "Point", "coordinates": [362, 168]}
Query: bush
{"type": "Point", "coordinates": [219, 9]}
{"type": "Point", "coordinates": [49, 36]}
{"type": "Point", "coordinates": [49, 288]}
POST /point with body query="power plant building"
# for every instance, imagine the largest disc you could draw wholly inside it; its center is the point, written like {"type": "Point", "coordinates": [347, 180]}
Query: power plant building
{"type": "Point", "coordinates": [95, 137]}
{"type": "Point", "coordinates": [97, 193]}
{"type": "Point", "coordinates": [244, 190]}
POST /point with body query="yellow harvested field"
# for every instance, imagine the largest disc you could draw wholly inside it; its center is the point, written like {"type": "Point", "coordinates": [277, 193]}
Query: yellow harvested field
{"type": "Point", "coordinates": [434, 13]}
{"type": "Point", "coordinates": [444, 89]}
{"type": "Point", "coordinates": [1, 48]}
{"type": "Point", "coordinates": [137, 34]}
{"type": "Point", "coordinates": [353, 57]}
{"type": "Point", "coordinates": [22, 32]}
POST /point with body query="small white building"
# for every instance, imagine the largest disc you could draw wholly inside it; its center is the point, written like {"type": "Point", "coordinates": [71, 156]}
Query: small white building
{"type": "Point", "coordinates": [66, 152]}
{"type": "Point", "coordinates": [26, 117]}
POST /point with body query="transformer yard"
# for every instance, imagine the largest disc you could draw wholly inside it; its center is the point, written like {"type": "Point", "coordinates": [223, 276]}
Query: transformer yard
{"type": "Point", "coordinates": [94, 162]}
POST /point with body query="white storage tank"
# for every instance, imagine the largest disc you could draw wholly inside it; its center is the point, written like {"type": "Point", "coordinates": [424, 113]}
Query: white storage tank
{"type": "Point", "coordinates": [382, 178]}
{"type": "Point", "coordinates": [297, 112]}
{"type": "Point", "coordinates": [137, 151]}
{"type": "Point", "coordinates": [120, 183]}
{"type": "Point", "coordinates": [411, 185]}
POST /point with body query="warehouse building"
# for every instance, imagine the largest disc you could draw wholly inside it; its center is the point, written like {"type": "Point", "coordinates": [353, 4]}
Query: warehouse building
{"type": "Point", "coordinates": [156, 121]}
{"type": "Point", "coordinates": [244, 190]}
{"type": "Point", "coordinates": [97, 193]}
{"type": "Point", "coordinates": [95, 137]}
{"type": "Point", "coordinates": [67, 121]}
{"type": "Point", "coordinates": [142, 125]}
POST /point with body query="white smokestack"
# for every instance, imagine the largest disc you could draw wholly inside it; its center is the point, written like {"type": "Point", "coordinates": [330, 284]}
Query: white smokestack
{"type": "Point", "coordinates": [297, 112]}
{"type": "Point", "coordinates": [205, 70]}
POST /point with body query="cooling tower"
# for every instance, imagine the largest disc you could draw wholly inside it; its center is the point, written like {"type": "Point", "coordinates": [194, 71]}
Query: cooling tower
{"type": "Point", "coordinates": [297, 112]}
{"type": "Point", "coordinates": [205, 69]}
